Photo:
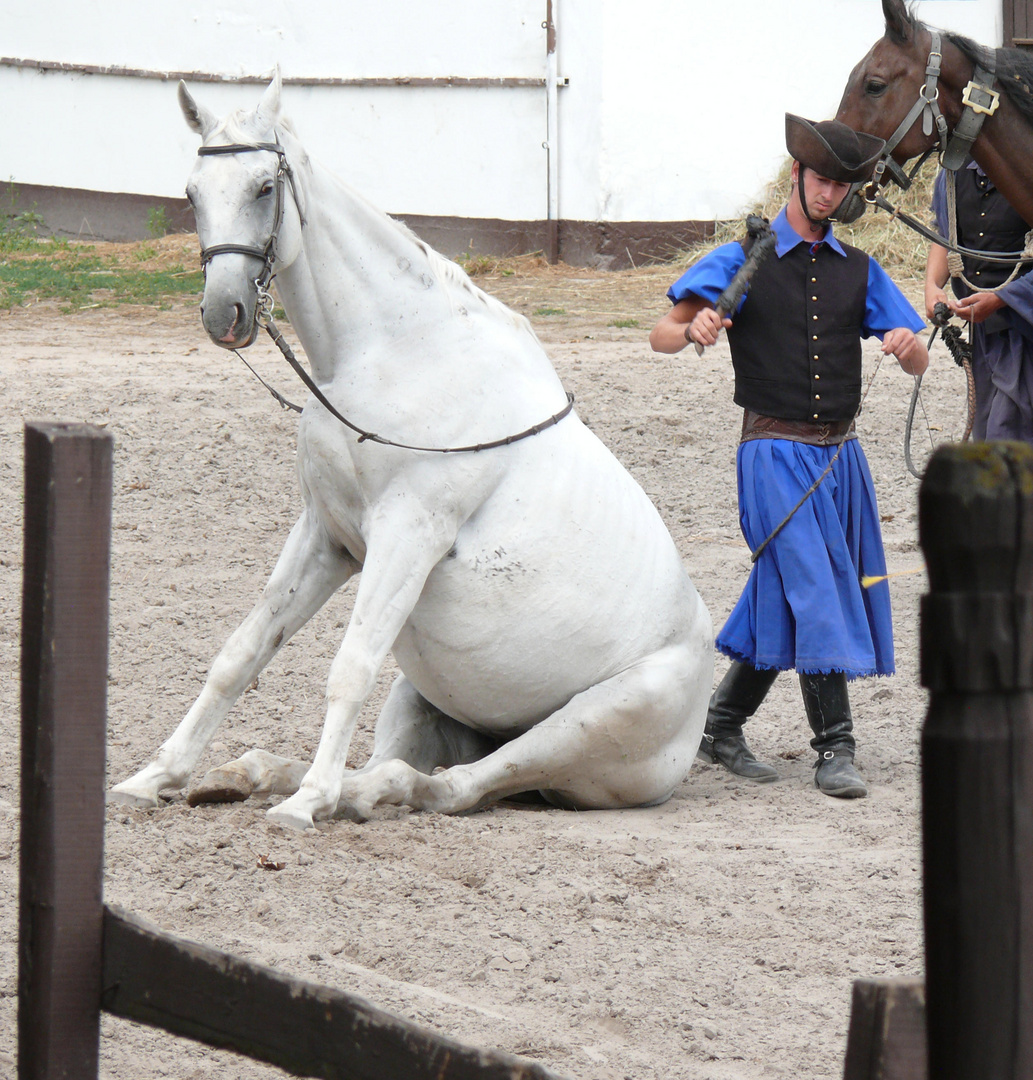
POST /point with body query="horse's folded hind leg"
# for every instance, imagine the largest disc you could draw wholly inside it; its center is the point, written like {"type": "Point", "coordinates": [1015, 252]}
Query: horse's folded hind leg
{"type": "Point", "coordinates": [410, 731]}
{"type": "Point", "coordinates": [628, 741]}
{"type": "Point", "coordinates": [306, 575]}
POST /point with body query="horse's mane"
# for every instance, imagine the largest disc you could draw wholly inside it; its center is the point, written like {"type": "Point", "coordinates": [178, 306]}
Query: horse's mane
{"type": "Point", "coordinates": [1014, 66]}
{"type": "Point", "coordinates": [453, 276]}
{"type": "Point", "coordinates": [1014, 71]}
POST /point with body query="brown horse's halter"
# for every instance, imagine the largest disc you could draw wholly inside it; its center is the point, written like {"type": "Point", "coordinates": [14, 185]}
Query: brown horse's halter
{"type": "Point", "coordinates": [980, 101]}
{"type": "Point", "coordinates": [264, 313]}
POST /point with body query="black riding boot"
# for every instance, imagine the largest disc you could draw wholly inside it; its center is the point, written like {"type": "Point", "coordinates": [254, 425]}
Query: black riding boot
{"type": "Point", "coordinates": [827, 704]}
{"type": "Point", "coordinates": [735, 700]}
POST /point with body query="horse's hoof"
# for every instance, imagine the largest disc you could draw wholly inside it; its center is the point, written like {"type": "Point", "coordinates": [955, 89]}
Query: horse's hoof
{"type": "Point", "coordinates": [221, 786]}
{"type": "Point", "coordinates": [290, 817]}
{"type": "Point", "coordinates": [125, 795]}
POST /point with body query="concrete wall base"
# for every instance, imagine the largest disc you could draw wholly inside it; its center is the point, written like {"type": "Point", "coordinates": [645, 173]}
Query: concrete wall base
{"type": "Point", "coordinates": [608, 245]}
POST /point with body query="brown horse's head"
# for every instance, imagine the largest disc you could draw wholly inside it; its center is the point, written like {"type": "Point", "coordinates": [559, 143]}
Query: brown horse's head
{"type": "Point", "coordinates": [886, 83]}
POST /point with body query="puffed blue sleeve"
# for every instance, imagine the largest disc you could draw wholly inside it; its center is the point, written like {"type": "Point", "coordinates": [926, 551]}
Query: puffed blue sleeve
{"type": "Point", "coordinates": [886, 306]}
{"type": "Point", "coordinates": [708, 278]}
{"type": "Point", "coordinates": [1018, 295]}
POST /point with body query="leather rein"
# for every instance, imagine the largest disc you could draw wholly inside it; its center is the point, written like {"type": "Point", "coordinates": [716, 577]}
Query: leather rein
{"type": "Point", "coordinates": [264, 309]}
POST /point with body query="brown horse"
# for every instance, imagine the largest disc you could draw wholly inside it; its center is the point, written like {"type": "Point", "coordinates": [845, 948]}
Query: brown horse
{"type": "Point", "coordinates": [888, 82]}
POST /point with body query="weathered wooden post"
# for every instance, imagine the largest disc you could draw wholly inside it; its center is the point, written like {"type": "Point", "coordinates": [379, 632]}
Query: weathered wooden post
{"type": "Point", "coordinates": [976, 529]}
{"type": "Point", "coordinates": [63, 700]}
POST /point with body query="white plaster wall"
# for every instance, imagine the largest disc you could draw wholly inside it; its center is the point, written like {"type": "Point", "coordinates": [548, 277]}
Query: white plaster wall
{"type": "Point", "coordinates": [691, 96]}
{"type": "Point", "coordinates": [674, 109]}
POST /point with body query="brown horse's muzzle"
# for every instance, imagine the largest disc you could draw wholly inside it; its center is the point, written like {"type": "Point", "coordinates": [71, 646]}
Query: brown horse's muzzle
{"type": "Point", "coordinates": [852, 207]}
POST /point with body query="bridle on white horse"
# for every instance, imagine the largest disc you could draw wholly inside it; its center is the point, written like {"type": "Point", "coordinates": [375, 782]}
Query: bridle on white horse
{"type": "Point", "coordinates": [264, 312]}
{"type": "Point", "coordinates": [268, 253]}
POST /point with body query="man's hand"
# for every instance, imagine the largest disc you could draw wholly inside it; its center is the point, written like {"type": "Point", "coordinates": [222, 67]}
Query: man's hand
{"type": "Point", "coordinates": [978, 307]}
{"type": "Point", "coordinates": [934, 296]}
{"type": "Point", "coordinates": [909, 351]}
{"type": "Point", "coordinates": [706, 327]}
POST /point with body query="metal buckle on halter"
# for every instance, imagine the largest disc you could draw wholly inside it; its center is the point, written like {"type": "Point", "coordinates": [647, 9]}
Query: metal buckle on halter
{"type": "Point", "coordinates": [980, 99]}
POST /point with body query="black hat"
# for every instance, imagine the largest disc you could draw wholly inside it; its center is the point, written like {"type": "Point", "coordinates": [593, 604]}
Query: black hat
{"type": "Point", "coordinates": [831, 149]}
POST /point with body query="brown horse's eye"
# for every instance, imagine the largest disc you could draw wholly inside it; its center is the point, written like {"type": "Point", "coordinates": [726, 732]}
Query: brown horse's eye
{"type": "Point", "coordinates": [874, 87]}
{"type": "Point", "coordinates": [266, 189]}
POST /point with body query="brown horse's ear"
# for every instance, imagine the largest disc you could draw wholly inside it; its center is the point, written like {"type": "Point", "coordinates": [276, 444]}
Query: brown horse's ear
{"type": "Point", "coordinates": [899, 24]}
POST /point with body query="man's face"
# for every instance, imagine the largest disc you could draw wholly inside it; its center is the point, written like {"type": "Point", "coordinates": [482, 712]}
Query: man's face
{"type": "Point", "coordinates": [821, 194]}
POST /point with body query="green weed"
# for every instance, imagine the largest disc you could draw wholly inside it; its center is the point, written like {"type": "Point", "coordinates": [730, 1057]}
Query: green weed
{"type": "Point", "coordinates": [158, 224]}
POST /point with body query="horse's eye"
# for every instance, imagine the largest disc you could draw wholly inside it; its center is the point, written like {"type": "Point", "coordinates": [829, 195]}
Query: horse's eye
{"type": "Point", "coordinates": [266, 189]}
{"type": "Point", "coordinates": [874, 87]}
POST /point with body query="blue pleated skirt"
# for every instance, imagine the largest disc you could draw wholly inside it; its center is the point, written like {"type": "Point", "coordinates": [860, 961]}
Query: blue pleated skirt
{"type": "Point", "coordinates": [803, 606]}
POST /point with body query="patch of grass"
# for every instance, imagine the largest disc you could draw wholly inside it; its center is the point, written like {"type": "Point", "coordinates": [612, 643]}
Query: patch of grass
{"type": "Point", "coordinates": [624, 324]}
{"type": "Point", "coordinates": [80, 275]}
{"type": "Point", "coordinates": [477, 265]}
{"type": "Point", "coordinates": [551, 311]}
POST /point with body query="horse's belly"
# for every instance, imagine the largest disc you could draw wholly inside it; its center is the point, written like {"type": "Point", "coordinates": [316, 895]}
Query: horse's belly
{"type": "Point", "coordinates": [529, 610]}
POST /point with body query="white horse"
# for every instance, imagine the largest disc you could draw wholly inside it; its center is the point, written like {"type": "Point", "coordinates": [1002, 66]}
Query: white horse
{"type": "Point", "coordinates": [549, 636]}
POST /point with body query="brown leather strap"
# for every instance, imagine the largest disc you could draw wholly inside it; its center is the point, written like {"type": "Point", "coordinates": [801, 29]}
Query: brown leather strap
{"type": "Point", "coordinates": [824, 433]}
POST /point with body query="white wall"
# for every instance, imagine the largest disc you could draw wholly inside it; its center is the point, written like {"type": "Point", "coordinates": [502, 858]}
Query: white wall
{"type": "Point", "coordinates": [674, 109]}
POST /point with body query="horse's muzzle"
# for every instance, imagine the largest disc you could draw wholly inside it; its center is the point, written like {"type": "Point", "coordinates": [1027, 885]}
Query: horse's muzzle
{"type": "Point", "coordinates": [231, 325]}
{"type": "Point", "coordinates": [852, 207]}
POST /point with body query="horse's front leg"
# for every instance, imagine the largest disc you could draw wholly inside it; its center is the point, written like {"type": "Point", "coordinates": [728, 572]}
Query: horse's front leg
{"type": "Point", "coordinates": [308, 571]}
{"type": "Point", "coordinates": [403, 544]}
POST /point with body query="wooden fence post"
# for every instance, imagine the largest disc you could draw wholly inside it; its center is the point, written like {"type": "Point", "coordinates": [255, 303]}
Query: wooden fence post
{"type": "Point", "coordinates": [63, 703]}
{"type": "Point", "coordinates": [976, 529]}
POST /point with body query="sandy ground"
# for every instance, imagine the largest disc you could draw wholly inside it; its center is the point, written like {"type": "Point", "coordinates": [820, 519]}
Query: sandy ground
{"type": "Point", "coordinates": [713, 937]}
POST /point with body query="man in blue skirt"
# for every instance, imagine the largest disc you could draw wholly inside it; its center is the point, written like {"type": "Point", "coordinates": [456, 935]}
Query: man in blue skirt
{"type": "Point", "coordinates": [796, 356]}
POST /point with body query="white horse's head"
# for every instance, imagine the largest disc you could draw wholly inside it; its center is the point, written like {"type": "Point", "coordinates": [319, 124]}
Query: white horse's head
{"type": "Point", "coordinates": [246, 205]}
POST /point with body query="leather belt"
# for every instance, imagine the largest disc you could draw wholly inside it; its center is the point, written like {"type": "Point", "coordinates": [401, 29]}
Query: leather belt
{"type": "Point", "coordinates": [824, 433]}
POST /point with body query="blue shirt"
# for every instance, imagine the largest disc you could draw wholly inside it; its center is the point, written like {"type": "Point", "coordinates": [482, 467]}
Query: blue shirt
{"type": "Point", "coordinates": [886, 307]}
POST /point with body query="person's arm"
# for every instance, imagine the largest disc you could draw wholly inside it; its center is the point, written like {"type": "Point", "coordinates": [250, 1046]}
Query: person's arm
{"type": "Point", "coordinates": [692, 316]}
{"type": "Point", "coordinates": [691, 319]}
{"type": "Point", "coordinates": [908, 348]}
{"type": "Point", "coordinates": [890, 316]}
{"type": "Point", "coordinates": [936, 275]}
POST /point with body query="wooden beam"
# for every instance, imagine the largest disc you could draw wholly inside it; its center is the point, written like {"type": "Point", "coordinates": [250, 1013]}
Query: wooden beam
{"type": "Point", "coordinates": [63, 702]}
{"type": "Point", "coordinates": [886, 1040]}
{"type": "Point", "coordinates": [309, 1030]}
{"type": "Point", "coordinates": [976, 529]}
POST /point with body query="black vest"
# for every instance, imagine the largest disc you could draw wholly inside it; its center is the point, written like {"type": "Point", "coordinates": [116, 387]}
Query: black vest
{"type": "Point", "coordinates": [796, 342]}
{"type": "Point", "coordinates": [985, 221]}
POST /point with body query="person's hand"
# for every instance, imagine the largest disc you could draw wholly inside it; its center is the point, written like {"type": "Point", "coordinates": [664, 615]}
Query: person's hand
{"type": "Point", "coordinates": [934, 296]}
{"type": "Point", "coordinates": [909, 352]}
{"type": "Point", "coordinates": [978, 307]}
{"type": "Point", "coordinates": [706, 327]}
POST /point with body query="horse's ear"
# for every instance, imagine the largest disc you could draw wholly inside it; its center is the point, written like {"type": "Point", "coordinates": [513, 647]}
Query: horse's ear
{"type": "Point", "coordinates": [268, 111]}
{"type": "Point", "coordinates": [899, 24]}
{"type": "Point", "coordinates": [197, 116]}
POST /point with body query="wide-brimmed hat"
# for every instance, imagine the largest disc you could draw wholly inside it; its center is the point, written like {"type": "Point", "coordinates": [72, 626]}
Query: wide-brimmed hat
{"type": "Point", "coordinates": [831, 149]}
